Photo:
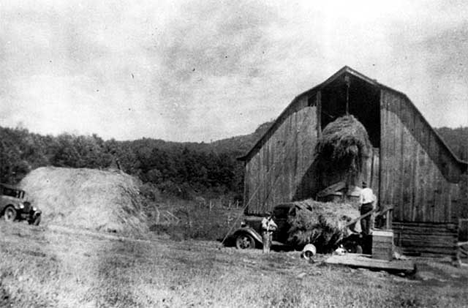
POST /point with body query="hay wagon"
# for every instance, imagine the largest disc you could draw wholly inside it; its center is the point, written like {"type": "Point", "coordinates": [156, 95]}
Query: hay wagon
{"type": "Point", "coordinates": [409, 167]}
{"type": "Point", "coordinates": [292, 220]}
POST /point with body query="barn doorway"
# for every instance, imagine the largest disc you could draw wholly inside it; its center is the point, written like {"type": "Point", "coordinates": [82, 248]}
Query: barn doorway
{"type": "Point", "coordinates": [360, 99]}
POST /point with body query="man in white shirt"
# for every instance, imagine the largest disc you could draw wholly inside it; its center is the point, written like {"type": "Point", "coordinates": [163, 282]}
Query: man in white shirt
{"type": "Point", "coordinates": [268, 227]}
{"type": "Point", "coordinates": [367, 200]}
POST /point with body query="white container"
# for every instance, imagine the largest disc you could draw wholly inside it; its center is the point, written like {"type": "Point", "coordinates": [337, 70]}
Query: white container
{"type": "Point", "coordinates": [309, 251]}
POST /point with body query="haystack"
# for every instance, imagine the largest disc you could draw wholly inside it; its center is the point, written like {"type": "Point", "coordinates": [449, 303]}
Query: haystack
{"type": "Point", "coordinates": [341, 151]}
{"type": "Point", "coordinates": [87, 198]}
{"type": "Point", "coordinates": [322, 224]}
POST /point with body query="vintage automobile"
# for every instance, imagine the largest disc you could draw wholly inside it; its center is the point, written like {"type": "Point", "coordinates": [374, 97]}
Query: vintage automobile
{"type": "Point", "coordinates": [249, 235]}
{"type": "Point", "coordinates": [14, 207]}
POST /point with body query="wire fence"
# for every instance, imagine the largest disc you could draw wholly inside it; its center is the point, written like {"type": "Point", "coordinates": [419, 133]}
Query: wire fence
{"type": "Point", "coordinates": [192, 220]}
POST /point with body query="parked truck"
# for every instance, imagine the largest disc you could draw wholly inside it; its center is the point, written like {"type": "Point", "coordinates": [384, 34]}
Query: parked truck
{"type": "Point", "coordinates": [14, 207]}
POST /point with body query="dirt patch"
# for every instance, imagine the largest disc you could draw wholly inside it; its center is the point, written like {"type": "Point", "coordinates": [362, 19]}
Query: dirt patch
{"type": "Point", "coordinates": [87, 198]}
{"type": "Point", "coordinates": [439, 272]}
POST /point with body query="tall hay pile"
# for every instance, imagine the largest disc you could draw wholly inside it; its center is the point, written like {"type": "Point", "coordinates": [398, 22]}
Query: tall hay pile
{"type": "Point", "coordinates": [87, 198]}
{"type": "Point", "coordinates": [322, 224]}
{"type": "Point", "coordinates": [341, 151]}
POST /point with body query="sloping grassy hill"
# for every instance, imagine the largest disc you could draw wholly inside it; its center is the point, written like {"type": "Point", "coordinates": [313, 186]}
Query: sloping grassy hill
{"type": "Point", "coordinates": [62, 267]}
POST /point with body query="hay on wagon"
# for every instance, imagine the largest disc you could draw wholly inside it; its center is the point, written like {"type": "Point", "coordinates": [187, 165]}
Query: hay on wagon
{"type": "Point", "coordinates": [87, 198]}
{"type": "Point", "coordinates": [320, 223]}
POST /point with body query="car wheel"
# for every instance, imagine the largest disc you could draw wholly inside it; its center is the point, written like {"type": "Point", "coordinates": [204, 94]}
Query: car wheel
{"type": "Point", "coordinates": [245, 241]}
{"type": "Point", "coordinates": [10, 214]}
{"type": "Point", "coordinates": [356, 248]}
{"type": "Point", "coordinates": [37, 221]}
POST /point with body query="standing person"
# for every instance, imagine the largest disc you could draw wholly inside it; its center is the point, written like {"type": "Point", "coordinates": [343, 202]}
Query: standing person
{"type": "Point", "coordinates": [367, 200]}
{"type": "Point", "coordinates": [268, 227]}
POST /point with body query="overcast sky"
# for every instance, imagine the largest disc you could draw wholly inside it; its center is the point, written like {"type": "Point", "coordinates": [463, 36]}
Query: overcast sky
{"type": "Point", "coordinates": [204, 70]}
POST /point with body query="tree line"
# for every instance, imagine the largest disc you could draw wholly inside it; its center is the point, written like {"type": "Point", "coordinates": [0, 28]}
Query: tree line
{"type": "Point", "coordinates": [182, 169]}
{"type": "Point", "coordinates": [456, 139]}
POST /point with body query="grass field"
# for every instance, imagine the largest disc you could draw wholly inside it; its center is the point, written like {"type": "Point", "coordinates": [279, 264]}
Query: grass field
{"type": "Point", "coordinates": [59, 267]}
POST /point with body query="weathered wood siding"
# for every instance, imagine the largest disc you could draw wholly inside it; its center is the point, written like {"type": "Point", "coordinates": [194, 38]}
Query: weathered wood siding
{"type": "Point", "coordinates": [419, 175]}
{"type": "Point", "coordinates": [419, 178]}
{"type": "Point", "coordinates": [274, 172]}
{"type": "Point", "coordinates": [371, 171]}
{"type": "Point", "coordinates": [463, 202]}
{"type": "Point", "coordinates": [462, 209]}
{"type": "Point", "coordinates": [426, 239]}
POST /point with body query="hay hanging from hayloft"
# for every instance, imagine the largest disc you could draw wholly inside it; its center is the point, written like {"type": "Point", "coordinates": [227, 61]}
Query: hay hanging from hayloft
{"type": "Point", "coordinates": [322, 224]}
{"type": "Point", "coordinates": [343, 148]}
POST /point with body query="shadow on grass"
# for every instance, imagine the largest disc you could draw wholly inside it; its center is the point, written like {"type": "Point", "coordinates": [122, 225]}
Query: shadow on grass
{"type": "Point", "coordinates": [116, 275]}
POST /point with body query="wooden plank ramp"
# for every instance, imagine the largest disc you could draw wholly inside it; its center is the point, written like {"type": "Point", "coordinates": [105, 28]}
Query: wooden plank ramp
{"type": "Point", "coordinates": [366, 261]}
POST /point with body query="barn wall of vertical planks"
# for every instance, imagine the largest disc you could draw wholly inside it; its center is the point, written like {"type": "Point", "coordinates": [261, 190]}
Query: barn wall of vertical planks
{"type": "Point", "coordinates": [274, 172]}
{"type": "Point", "coordinates": [420, 178]}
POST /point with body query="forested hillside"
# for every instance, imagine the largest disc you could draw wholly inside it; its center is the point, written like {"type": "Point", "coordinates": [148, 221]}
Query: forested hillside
{"type": "Point", "coordinates": [182, 169]}
{"type": "Point", "coordinates": [456, 139]}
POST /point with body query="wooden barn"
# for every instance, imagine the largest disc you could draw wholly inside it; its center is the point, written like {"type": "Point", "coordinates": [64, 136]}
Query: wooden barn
{"type": "Point", "coordinates": [410, 168]}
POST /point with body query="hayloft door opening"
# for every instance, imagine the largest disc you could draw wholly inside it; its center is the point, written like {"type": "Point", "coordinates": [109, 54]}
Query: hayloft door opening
{"type": "Point", "coordinates": [354, 96]}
